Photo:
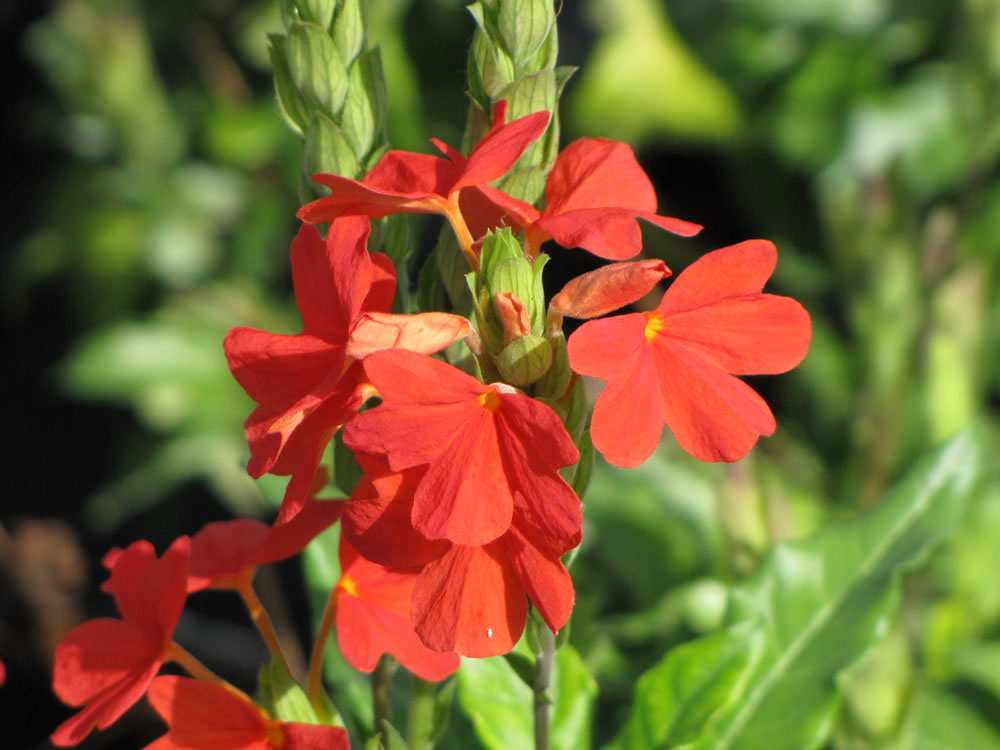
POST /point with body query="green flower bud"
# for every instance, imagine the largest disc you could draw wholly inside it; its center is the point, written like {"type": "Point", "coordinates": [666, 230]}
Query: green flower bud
{"type": "Point", "coordinates": [525, 360]}
{"type": "Point", "coordinates": [503, 268]}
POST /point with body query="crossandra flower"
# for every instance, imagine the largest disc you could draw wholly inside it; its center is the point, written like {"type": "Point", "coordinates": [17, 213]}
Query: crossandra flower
{"type": "Point", "coordinates": [226, 552]}
{"type": "Point", "coordinates": [593, 196]}
{"type": "Point", "coordinates": [373, 618]}
{"type": "Point", "coordinates": [676, 364]}
{"type": "Point", "coordinates": [472, 599]}
{"type": "Point", "coordinates": [483, 445]}
{"type": "Point", "coordinates": [106, 664]}
{"type": "Point", "coordinates": [204, 716]}
{"type": "Point", "coordinates": [423, 183]}
{"type": "Point", "coordinates": [309, 384]}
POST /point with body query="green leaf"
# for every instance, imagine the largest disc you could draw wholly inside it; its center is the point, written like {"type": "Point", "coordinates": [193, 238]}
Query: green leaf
{"type": "Point", "coordinates": [813, 609]}
{"type": "Point", "coordinates": [980, 663]}
{"type": "Point", "coordinates": [641, 67]}
{"type": "Point", "coordinates": [938, 720]}
{"type": "Point", "coordinates": [499, 703]}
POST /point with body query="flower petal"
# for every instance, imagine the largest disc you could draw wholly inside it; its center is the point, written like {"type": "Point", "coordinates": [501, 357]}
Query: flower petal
{"type": "Point", "coordinates": [608, 288]}
{"type": "Point", "coordinates": [424, 332]}
{"type": "Point", "coordinates": [470, 601]}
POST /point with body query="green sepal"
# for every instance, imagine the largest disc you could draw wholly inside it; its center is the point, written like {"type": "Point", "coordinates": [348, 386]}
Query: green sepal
{"type": "Point", "coordinates": [316, 69]}
{"type": "Point", "coordinates": [557, 379]}
{"type": "Point", "coordinates": [535, 93]}
{"type": "Point", "coordinates": [319, 12]}
{"type": "Point", "coordinates": [349, 30]}
{"type": "Point", "coordinates": [283, 696]}
{"type": "Point", "coordinates": [326, 150]}
{"type": "Point", "coordinates": [363, 117]}
{"type": "Point", "coordinates": [491, 68]}
{"type": "Point", "coordinates": [524, 25]}
{"type": "Point", "coordinates": [498, 247]}
{"type": "Point", "coordinates": [293, 107]}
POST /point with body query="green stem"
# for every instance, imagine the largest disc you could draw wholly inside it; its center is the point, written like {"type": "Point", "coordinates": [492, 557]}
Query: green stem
{"type": "Point", "coordinates": [543, 677]}
{"type": "Point", "coordinates": [381, 689]}
{"type": "Point", "coordinates": [420, 714]}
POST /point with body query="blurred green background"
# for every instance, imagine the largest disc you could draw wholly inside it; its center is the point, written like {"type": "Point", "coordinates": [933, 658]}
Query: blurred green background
{"type": "Point", "coordinates": [151, 205]}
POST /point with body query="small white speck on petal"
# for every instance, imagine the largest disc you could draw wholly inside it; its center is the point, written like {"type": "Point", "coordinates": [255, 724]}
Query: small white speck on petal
{"type": "Point", "coordinates": [489, 632]}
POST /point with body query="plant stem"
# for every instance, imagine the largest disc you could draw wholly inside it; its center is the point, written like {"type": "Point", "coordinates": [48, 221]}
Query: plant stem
{"type": "Point", "coordinates": [420, 714]}
{"type": "Point", "coordinates": [315, 684]}
{"type": "Point", "coordinates": [543, 676]}
{"type": "Point", "coordinates": [381, 685]}
{"type": "Point", "coordinates": [261, 619]}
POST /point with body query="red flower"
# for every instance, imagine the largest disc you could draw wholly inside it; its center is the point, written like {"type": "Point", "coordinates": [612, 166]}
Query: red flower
{"type": "Point", "coordinates": [373, 618]}
{"type": "Point", "coordinates": [107, 664]}
{"type": "Point", "coordinates": [593, 196]}
{"type": "Point", "coordinates": [483, 444]}
{"type": "Point", "coordinates": [673, 365]}
{"type": "Point", "coordinates": [309, 384]}
{"type": "Point", "coordinates": [224, 552]}
{"type": "Point", "coordinates": [469, 599]}
{"type": "Point", "coordinates": [204, 716]}
{"type": "Point", "coordinates": [422, 183]}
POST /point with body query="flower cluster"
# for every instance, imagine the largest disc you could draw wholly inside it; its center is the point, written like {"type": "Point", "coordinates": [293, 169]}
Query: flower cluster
{"type": "Point", "coordinates": [463, 513]}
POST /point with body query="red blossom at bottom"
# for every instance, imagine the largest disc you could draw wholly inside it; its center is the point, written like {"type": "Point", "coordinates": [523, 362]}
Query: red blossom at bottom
{"type": "Point", "coordinates": [203, 716]}
{"type": "Point", "coordinates": [107, 664]}
{"type": "Point", "coordinates": [471, 599]}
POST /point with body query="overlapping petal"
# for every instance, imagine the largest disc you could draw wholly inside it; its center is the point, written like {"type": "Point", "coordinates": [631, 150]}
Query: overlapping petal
{"type": "Point", "coordinates": [474, 599]}
{"type": "Point", "coordinates": [593, 196]}
{"type": "Point", "coordinates": [309, 384]}
{"type": "Point", "coordinates": [474, 439]}
{"type": "Point", "coordinates": [373, 618]}
{"type": "Point", "coordinates": [675, 365]}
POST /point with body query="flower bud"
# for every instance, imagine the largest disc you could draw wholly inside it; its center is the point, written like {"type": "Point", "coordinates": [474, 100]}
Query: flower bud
{"type": "Point", "coordinates": [525, 360]}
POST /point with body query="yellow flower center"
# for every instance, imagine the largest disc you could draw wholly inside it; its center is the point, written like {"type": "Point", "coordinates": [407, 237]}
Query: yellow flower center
{"type": "Point", "coordinates": [348, 585]}
{"type": "Point", "coordinates": [490, 399]}
{"type": "Point", "coordinates": [654, 324]}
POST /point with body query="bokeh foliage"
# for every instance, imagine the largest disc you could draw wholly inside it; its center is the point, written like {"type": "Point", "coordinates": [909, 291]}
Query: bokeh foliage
{"type": "Point", "coordinates": [862, 137]}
